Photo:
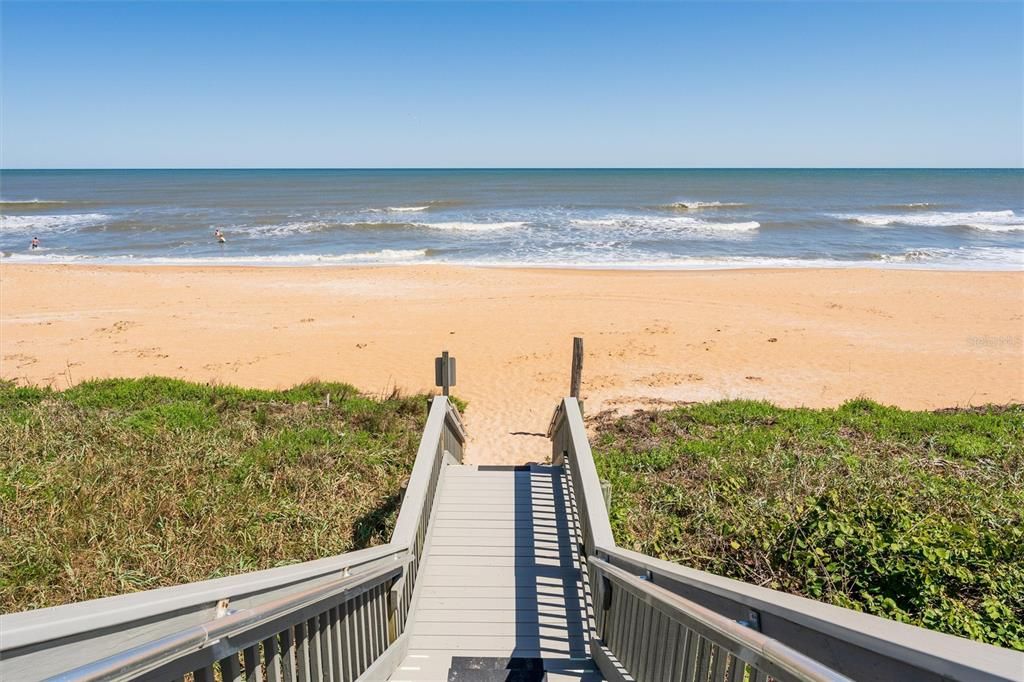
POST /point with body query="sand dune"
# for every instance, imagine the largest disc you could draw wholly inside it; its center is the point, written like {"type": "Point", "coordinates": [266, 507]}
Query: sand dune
{"type": "Point", "coordinates": [918, 339]}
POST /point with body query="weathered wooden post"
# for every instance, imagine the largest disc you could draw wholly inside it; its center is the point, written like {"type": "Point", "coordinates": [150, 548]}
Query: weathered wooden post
{"type": "Point", "coordinates": [577, 367]}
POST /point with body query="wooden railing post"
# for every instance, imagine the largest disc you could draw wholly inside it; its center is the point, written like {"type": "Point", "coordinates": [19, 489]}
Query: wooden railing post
{"type": "Point", "coordinates": [577, 367]}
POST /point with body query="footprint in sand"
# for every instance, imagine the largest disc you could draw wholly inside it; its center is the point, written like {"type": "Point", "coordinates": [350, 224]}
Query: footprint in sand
{"type": "Point", "coordinates": [118, 327]}
{"type": "Point", "coordinates": [153, 352]}
{"type": "Point", "coordinates": [21, 359]}
{"type": "Point", "coordinates": [670, 379]}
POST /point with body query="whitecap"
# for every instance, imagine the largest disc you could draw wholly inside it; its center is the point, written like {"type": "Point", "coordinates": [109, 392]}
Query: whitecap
{"type": "Point", "coordinates": [685, 223]}
{"type": "Point", "coordinates": [472, 226]}
{"type": "Point", "coordinates": [694, 205]}
{"type": "Point", "coordinates": [398, 209]}
{"type": "Point", "coordinates": [28, 202]}
{"type": "Point", "coordinates": [597, 222]}
{"type": "Point", "coordinates": [384, 256]}
{"type": "Point", "coordinates": [50, 223]}
{"type": "Point", "coordinates": [909, 256]}
{"type": "Point", "coordinates": [991, 221]}
{"type": "Point", "coordinates": [281, 229]}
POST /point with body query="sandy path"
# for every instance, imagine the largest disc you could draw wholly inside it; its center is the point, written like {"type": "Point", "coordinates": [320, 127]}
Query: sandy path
{"type": "Point", "coordinates": [813, 337]}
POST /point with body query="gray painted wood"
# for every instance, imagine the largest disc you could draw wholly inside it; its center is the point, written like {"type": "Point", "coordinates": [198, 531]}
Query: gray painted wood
{"type": "Point", "coordinates": [502, 576]}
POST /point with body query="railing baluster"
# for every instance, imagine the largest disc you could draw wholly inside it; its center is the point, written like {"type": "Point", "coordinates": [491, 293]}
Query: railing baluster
{"type": "Point", "coordinates": [692, 650]}
{"type": "Point", "coordinates": [635, 624]}
{"type": "Point", "coordinates": [378, 630]}
{"type": "Point", "coordinates": [353, 634]}
{"type": "Point", "coordinates": [334, 633]}
{"type": "Point", "coordinates": [640, 655]}
{"type": "Point", "coordinates": [736, 671]}
{"type": "Point", "coordinates": [230, 670]}
{"type": "Point", "coordinates": [371, 626]}
{"type": "Point", "coordinates": [302, 652]}
{"type": "Point", "coordinates": [272, 654]}
{"type": "Point", "coordinates": [363, 659]}
{"type": "Point", "coordinates": [203, 674]}
{"type": "Point", "coordinates": [616, 617]}
{"type": "Point", "coordinates": [720, 659]}
{"type": "Point", "coordinates": [703, 659]}
{"type": "Point", "coordinates": [380, 625]}
{"type": "Point", "coordinates": [324, 636]}
{"type": "Point", "coordinates": [382, 610]}
{"type": "Point", "coordinates": [661, 647]}
{"type": "Point", "coordinates": [253, 669]}
{"type": "Point", "coordinates": [288, 655]}
{"type": "Point", "coordinates": [313, 647]}
{"type": "Point", "coordinates": [349, 658]}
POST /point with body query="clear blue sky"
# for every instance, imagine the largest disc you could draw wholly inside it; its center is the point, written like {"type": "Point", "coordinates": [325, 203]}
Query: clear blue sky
{"type": "Point", "coordinates": [236, 84]}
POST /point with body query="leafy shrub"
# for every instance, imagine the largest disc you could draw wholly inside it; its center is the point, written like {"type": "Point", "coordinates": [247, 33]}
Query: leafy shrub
{"type": "Point", "coordinates": [914, 516]}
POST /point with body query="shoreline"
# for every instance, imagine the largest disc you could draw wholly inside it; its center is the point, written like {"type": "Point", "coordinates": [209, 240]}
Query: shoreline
{"type": "Point", "coordinates": [201, 264]}
{"type": "Point", "coordinates": [918, 339]}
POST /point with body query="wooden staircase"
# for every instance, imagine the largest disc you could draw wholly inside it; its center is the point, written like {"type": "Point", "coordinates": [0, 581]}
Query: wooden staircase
{"type": "Point", "coordinates": [501, 595]}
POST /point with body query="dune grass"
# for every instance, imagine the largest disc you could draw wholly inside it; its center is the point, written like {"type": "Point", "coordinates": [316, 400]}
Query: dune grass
{"type": "Point", "coordinates": [914, 516]}
{"type": "Point", "coordinates": [123, 485]}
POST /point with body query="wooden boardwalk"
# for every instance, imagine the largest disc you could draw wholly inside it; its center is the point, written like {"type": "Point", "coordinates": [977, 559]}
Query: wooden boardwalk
{"type": "Point", "coordinates": [500, 593]}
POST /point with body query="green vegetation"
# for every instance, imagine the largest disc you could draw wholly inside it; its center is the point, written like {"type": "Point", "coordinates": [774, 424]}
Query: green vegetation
{"type": "Point", "coordinates": [123, 485]}
{"type": "Point", "coordinates": [914, 516]}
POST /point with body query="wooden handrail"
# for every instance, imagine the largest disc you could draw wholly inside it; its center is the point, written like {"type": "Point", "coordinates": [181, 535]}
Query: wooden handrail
{"type": "Point", "coordinates": [762, 653]}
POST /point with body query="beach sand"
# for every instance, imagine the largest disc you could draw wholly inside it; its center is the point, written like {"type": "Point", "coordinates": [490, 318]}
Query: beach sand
{"type": "Point", "coordinates": [916, 339]}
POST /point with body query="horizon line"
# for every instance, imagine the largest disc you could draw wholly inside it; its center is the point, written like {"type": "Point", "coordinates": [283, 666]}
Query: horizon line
{"type": "Point", "coordinates": [498, 168]}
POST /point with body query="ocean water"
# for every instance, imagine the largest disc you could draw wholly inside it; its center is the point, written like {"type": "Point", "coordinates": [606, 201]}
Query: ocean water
{"type": "Point", "coordinates": [580, 218]}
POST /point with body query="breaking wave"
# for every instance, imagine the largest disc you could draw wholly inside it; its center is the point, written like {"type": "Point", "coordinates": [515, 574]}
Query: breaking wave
{"type": "Point", "coordinates": [32, 203]}
{"type": "Point", "coordinates": [281, 229]}
{"type": "Point", "coordinates": [311, 226]}
{"type": "Point", "coordinates": [398, 209]}
{"type": "Point", "coordinates": [990, 221]}
{"type": "Point", "coordinates": [384, 256]}
{"type": "Point", "coordinates": [636, 222]}
{"type": "Point", "coordinates": [50, 223]}
{"type": "Point", "coordinates": [694, 205]}
{"type": "Point", "coordinates": [970, 257]}
{"type": "Point", "coordinates": [464, 226]}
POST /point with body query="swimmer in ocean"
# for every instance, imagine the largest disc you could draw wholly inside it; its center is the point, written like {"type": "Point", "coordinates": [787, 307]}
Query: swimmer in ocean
{"type": "Point", "coordinates": [219, 236]}
{"type": "Point", "coordinates": [35, 243]}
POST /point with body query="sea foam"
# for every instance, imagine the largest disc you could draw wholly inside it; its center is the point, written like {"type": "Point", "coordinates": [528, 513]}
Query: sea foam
{"type": "Point", "coordinates": [399, 209]}
{"type": "Point", "coordinates": [683, 223]}
{"type": "Point", "coordinates": [29, 202]}
{"type": "Point", "coordinates": [382, 257]}
{"type": "Point", "coordinates": [991, 221]}
{"type": "Point", "coordinates": [50, 223]}
{"type": "Point", "coordinates": [466, 226]}
{"type": "Point", "coordinates": [280, 229]}
{"type": "Point", "coordinates": [693, 205]}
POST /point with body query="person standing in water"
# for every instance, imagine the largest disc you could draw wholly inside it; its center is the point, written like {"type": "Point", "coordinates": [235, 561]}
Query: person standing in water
{"type": "Point", "coordinates": [35, 243]}
{"type": "Point", "coordinates": [219, 236]}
